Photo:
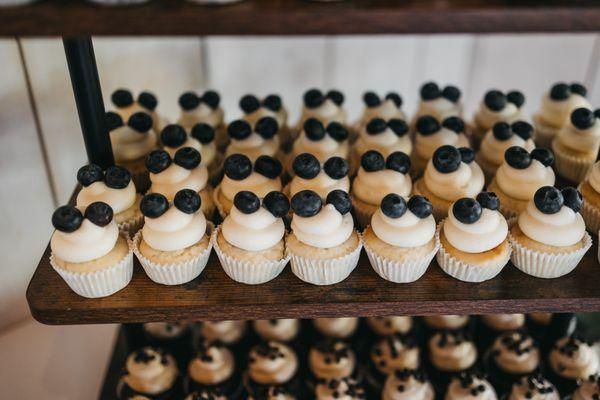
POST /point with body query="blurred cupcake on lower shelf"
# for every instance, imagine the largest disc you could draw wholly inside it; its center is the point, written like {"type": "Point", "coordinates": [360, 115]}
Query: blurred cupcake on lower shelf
{"type": "Point", "coordinates": [394, 352]}
{"type": "Point", "coordinates": [407, 385]}
{"type": "Point", "coordinates": [273, 393]}
{"type": "Point", "coordinates": [534, 387]}
{"type": "Point", "coordinates": [492, 325]}
{"type": "Point", "coordinates": [340, 389]}
{"type": "Point", "coordinates": [332, 359]}
{"type": "Point", "coordinates": [450, 353]}
{"type": "Point", "coordinates": [175, 337]}
{"type": "Point", "coordinates": [383, 326]}
{"type": "Point", "coordinates": [272, 364]}
{"type": "Point", "coordinates": [339, 328]}
{"type": "Point", "coordinates": [470, 386]}
{"type": "Point", "coordinates": [228, 332]}
{"type": "Point", "coordinates": [280, 330]}
{"type": "Point", "coordinates": [447, 322]}
{"type": "Point", "coordinates": [571, 359]}
{"type": "Point", "coordinates": [587, 389]}
{"type": "Point", "coordinates": [213, 367]}
{"type": "Point", "coordinates": [204, 394]}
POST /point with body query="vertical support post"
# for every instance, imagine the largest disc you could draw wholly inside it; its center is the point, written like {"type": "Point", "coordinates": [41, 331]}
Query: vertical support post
{"type": "Point", "coordinates": [88, 97]}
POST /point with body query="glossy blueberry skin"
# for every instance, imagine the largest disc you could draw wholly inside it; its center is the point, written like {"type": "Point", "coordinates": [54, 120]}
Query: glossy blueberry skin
{"type": "Point", "coordinates": [572, 198]}
{"type": "Point", "coordinates": [336, 168]}
{"type": "Point", "coordinates": [502, 131]}
{"type": "Point", "coordinates": [467, 155]}
{"type": "Point", "coordinates": [122, 98]}
{"type": "Point", "coordinates": [488, 200]}
{"type": "Point", "coordinates": [117, 177]}
{"type": "Point", "coordinates": [337, 131]}
{"type": "Point", "coordinates": [306, 203]}
{"type": "Point", "coordinates": [336, 96]}
{"type": "Point", "coordinates": [340, 200]}
{"type": "Point", "coordinates": [583, 118]}
{"type": "Point", "coordinates": [173, 135]}
{"type": "Point", "coordinates": [515, 97]}
{"type": "Point", "coordinates": [544, 156]}
{"type": "Point", "coordinates": [239, 130]}
{"type": "Point", "coordinates": [467, 210]}
{"type": "Point", "coordinates": [187, 201]}
{"type": "Point", "coordinates": [237, 167]}
{"type": "Point", "coordinates": [399, 162]}
{"type": "Point", "coordinates": [140, 122]}
{"type": "Point", "coordinates": [148, 100]}
{"type": "Point", "coordinates": [398, 126]}
{"type": "Point", "coordinates": [268, 166]}
{"type": "Point", "coordinates": [430, 91]}
{"type": "Point", "coordinates": [495, 100]}
{"type": "Point", "coordinates": [451, 93]}
{"type": "Point", "coordinates": [578, 88]}
{"type": "Point", "coordinates": [189, 101]}
{"type": "Point", "coordinates": [267, 127]}
{"type": "Point", "coordinates": [204, 133]}
{"type": "Point", "coordinates": [306, 166]}
{"type": "Point", "coordinates": [560, 91]}
{"type": "Point", "coordinates": [372, 161]}
{"type": "Point", "coordinates": [420, 206]}
{"type": "Point", "coordinates": [376, 126]}
{"type": "Point", "coordinates": [395, 97]}
{"type": "Point", "coordinates": [427, 125]}
{"type": "Point", "coordinates": [67, 219]}
{"type": "Point", "coordinates": [314, 129]}
{"type": "Point", "coordinates": [211, 99]}
{"type": "Point", "coordinates": [249, 103]}
{"type": "Point", "coordinates": [371, 99]}
{"type": "Point", "coordinates": [187, 157]}
{"type": "Point", "coordinates": [313, 98]}
{"type": "Point", "coordinates": [273, 102]}
{"type": "Point", "coordinates": [393, 206]}
{"type": "Point", "coordinates": [523, 129]}
{"type": "Point", "coordinates": [246, 201]}
{"type": "Point", "coordinates": [517, 157]}
{"type": "Point", "coordinates": [99, 213]}
{"type": "Point", "coordinates": [277, 204]}
{"type": "Point", "coordinates": [154, 205]}
{"type": "Point", "coordinates": [548, 200]}
{"type": "Point", "coordinates": [446, 159]}
{"type": "Point", "coordinates": [89, 174]}
{"type": "Point", "coordinates": [455, 124]}
{"type": "Point", "coordinates": [113, 120]}
{"type": "Point", "coordinates": [157, 161]}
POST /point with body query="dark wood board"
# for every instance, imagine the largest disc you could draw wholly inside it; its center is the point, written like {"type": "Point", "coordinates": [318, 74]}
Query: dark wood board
{"type": "Point", "coordinates": [294, 17]}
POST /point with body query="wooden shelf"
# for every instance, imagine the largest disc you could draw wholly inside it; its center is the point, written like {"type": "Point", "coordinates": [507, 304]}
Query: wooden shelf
{"type": "Point", "coordinates": [293, 17]}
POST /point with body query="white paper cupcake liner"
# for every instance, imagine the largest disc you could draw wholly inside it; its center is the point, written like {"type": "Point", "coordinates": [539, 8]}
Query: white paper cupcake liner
{"type": "Point", "coordinates": [174, 273]}
{"type": "Point", "coordinates": [100, 283]}
{"type": "Point", "coordinates": [325, 271]}
{"type": "Point", "coordinates": [572, 168]}
{"type": "Point", "coordinates": [464, 271]}
{"type": "Point", "coordinates": [248, 272]}
{"type": "Point", "coordinates": [591, 216]}
{"type": "Point", "coordinates": [132, 225]}
{"type": "Point", "coordinates": [547, 265]}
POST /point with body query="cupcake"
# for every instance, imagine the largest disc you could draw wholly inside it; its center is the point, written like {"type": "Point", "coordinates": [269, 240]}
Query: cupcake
{"type": "Point", "coordinates": [450, 353]}
{"type": "Point", "coordinates": [377, 177]}
{"type": "Point", "coordinates": [271, 364]}
{"type": "Point", "coordinates": [146, 102]}
{"type": "Point", "coordinates": [115, 188]}
{"type": "Point", "coordinates": [588, 389]}
{"type": "Point", "coordinates": [227, 332]}
{"type": "Point", "coordinates": [88, 251]}
{"type": "Point", "coordinates": [339, 389]}
{"type": "Point", "coordinates": [174, 245]}
{"type": "Point", "coordinates": [323, 245]}
{"type": "Point", "coordinates": [253, 141]}
{"type": "Point", "coordinates": [205, 108]}
{"type": "Point", "coordinates": [250, 241]}
{"type": "Point", "coordinates": [503, 322]}
{"type": "Point", "coordinates": [446, 322]}
{"type": "Point", "coordinates": [590, 190]}
{"type": "Point", "coordinates": [549, 238]}
{"type": "Point", "coordinates": [534, 387]}
{"type": "Point", "coordinates": [321, 141]}
{"type": "Point", "coordinates": [520, 176]}
{"type": "Point", "coordinates": [260, 178]}
{"type": "Point", "coordinates": [557, 105]}
{"type": "Point", "coordinates": [309, 174]}
{"type": "Point", "coordinates": [499, 139]}
{"type": "Point", "coordinates": [270, 106]}
{"type": "Point", "coordinates": [383, 326]}
{"type": "Point", "coordinates": [400, 242]}
{"type": "Point", "coordinates": [332, 359]}
{"type": "Point", "coordinates": [407, 385]}
{"type": "Point", "coordinates": [326, 107]}
{"type": "Point", "coordinates": [280, 330]}
{"type": "Point", "coordinates": [392, 353]}
{"type": "Point", "coordinates": [470, 386]}
{"type": "Point", "coordinates": [151, 373]}
{"type": "Point", "coordinates": [174, 337]}
{"type": "Point", "coordinates": [450, 174]}
{"type": "Point", "coordinates": [384, 136]}
{"type": "Point", "coordinates": [213, 367]}
{"type": "Point", "coordinates": [201, 138]}
{"type": "Point", "coordinates": [497, 107]}
{"type": "Point", "coordinates": [571, 359]}
{"type": "Point", "coordinates": [440, 103]}
{"type": "Point", "coordinates": [431, 134]}
{"type": "Point", "coordinates": [386, 108]}
{"type": "Point", "coordinates": [339, 328]}
{"type": "Point", "coordinates": [474, 244]}
{"type": "Point", "coordinates": [576, 144]}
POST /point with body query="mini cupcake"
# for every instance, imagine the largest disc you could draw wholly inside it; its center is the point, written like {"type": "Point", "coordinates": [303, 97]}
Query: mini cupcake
{"type": "Point", "coordinates": [497, 107]}
{"type": "Point", "coordinates": [386, 108]}
{"type": "Point", "coordinates": [253, 142]}
{"type": "Point", "coordinates": [146, 102]}
{"type": "Point", "coordinates": [271, 364]}
{"type": "Point", "coordinates": [323, 245]}
{"type": "Point", "coordinates": [499, 139]}
{"type": "Point", "coordinates": [279, 330]}
{"type": "Point", "coordinates": [590, 190]}
{"type": "Point", "coordinates": [174, 337]}
{"type": "Point", "coordinates": [549, 238]}
{"type": "Point", "coordinates": [503, 322]}
{"type": "Point", "coordinates": [250, 242]}
{"type": "Point", "coordinates": [447, 322]}
{"type": "Point", "coordinates": [407, 385]}
{"type": "Point", "coordinates": [88, 252]}
{"type": "Point", "coordinates": [340, 389]}
{"type": "Point", "coordinates": [534, 387]}
{"type": "Point", "coordinates": [571, 359]}
{"type": "Point", "coordinates": [174, 245]}
{"type": "Point", "coordinates": [474, 244]}
{"type": "Point", "coordinates": [270, 106]}
{"type": "Point", "coordinates": [204, 108]}
{"type": "Point", "coordinates": [227, 332]}
{"type": "Point", "coordinates": [520, 176]}
{"type": "Point", "coordinates": [115, 188]}
{"type": "Point", "coordinates": [201, 138]}
{"type": "Point", "coordinates": [588, 389]}
{"type": "Point", "coordinates": [440, 103]}
{"type": "Point", "coordinates": [377, 177]}
{"type": "Point", "coordinates": [557, 105]}
{"type": "Point", "coordinates": [431, 134]}
{"type": "Point", "coordinates": [470, 386]}
{"type": "Point", "coordinates": [332, 359]}
{"type": "Point", "coordinates": [392, 353]}
{"type": "Point", "coordinates": [309, 174]}
{"type": "Point", "coordinates": [213, 367]}
{"type": "Point", "coordinates": [383, 326]}
{"type": "Point", "coordinates": [339, 328]}
{"type": "Point", "coordinates": [326, 107]}
{"type": "Point", "coordinates": [450, 353]}
{"type": "Point", "coordinates": [260, 178]}
{"type": "Point", "coordinates": [450, 175]}
{"type": "Point", "coordinates": [384, 136]}
{"type": "Point", "coordinates": [321, 141]}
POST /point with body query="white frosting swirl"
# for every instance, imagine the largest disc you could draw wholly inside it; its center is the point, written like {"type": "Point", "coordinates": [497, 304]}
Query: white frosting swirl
{"type": "Point", "coordinates": [385, 142]}
{"type": "Point", "coordinates": [213, 367]}
{"type": "Point", "coordinates": [578, 361]}
{"type": "Point", "coordinates": [412, 389]}
{"type": "Point", "coordinates": [451, 321]}
{"type": "Point", "coordinates": [322, 184]}
{"type": "Point", "coordinates": [521, 184]}
{"type": "Point", "coordinates": [256, 183]}
{"type": "Point", "coordinates": [129, 144]}
{"type": "Point", "coordinates": [254, 146]}
{"type": "Point", "coordinates": [87, 243]}
{"type": "Point", "coordinates": [453, 354]}
{"type": "Point", "coordinates": [386, 110]}
{"type": "Point", "coordinates": [565, 228]}
{"type": "Point", "coordinates": [336, 327]}
{"type": "Point", "coordinates": [267, 369]}
{"type": "Point", "coordinates": [556, 113]}
{"type": "Point", "coordinates": [208, 151]}
{"type": "Point", "coordinates": [425, 146]}
{"type": "Point", "coordinates": [175, 178]}
{"type": "Point", "coordinates": [582, 140]}
{"type": "Point", "coordinates": [228, 332]}
{"type": "Point", "coordinates": [202, 113]}
{"type": "Point", "coordinates": [406, 231]}
{"type": "Point", "coordinates": [261, 112]}
{"type": "Point", "coordinates": [322, 149]}
{"type": "Point", "coordinates": [327, 229]}
{"type": "Point", "coordinates": [504, 322]}
{"type": "Point", "coordinates": [153, 375]}
{"type": "Point", "coordinates": [372, 187]}
{"type": "Point", "coordinates": [440, 108]}
{"type": "Point", "coordinates": [174, 230]}
{"type": "Point", "coordinates": [253, 232]}
{"type": "Point", "coordinates": [384, 326]}
{"type": "Point", "coordinates": [326, 113]}
{"type": "Point", "coordinates": [594, 177]}
{"type": "Point", "coordinates": [118, 199]}
{"type": "Point", "coordinates": [483, 235]}
{"type": "Point", "coordinates": [466, 181]}
{"type": "Point", "coordinates": [282, 330]}
{"type": "Point", "coordinates": [486, 118]}
{"type": "Point", "coordinates": [458, 391]}
{"type": "Point", "coordinates": [493, 149]}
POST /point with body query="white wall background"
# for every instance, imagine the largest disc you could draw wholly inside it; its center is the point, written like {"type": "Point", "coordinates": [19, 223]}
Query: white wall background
{"type": "Point", "coordinates": [234, 66]}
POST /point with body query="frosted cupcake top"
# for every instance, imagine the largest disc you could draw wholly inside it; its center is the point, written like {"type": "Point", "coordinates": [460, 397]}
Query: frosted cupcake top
{"type": "Point", "coordinates": [272, 363]}
{"type": "Point", "coordinates": [504, 322]}
{"type": "Point", "coordinates": [503, 136]}
{"type": "Point", "coordinates": [452, 351]}
{"type": "Point", "coordinates": [170, 175]}
{"type": "Point", "coordinates": [560, 101]}
{"type": "Point", "coordinates": [331, 359]}
{"type": "Point", "coordinates": [260, 177]}
{"type": "Point", "coordinates": [322, 141]}
{"type": "Point", "coordinates": [228, 332]}
{"type": "Point", "coordinates": [588, 389]}
{"type": "Point", "coordinates": [326, 107]}
{"type": "Point", "coordinates": [431, 134]}
{"type": "Point", "coordinates": [336, 327]}
{"type": "Point", "coordinates": [261, 139]}
{"type": "Point", "coordinates": [404, 224]}
{"type": "Point", "coordinates": [201, 138]}
{"type": "Point", "coordinates": [386, 108]}
{"type": "Point", "coordinates": [407, 385]}
{"type": "Point", "coordinates": [339, 389]}
{"type": "Point", "coordinates": [113, 187]}
{"type": "Point", "coordinates": [497, 106]}
{"type": "Point", "coordinates": [439, 102]}
{"type": "Point", "coordinates": [310, 175]}
{"type": "Point", "coordinates": [395, 352]}
{"type": "Point", "coordinates": [166, 330]}
{"type": "Point", "coordinates": [573, 358]}
{"type": "Point", "coordinates": [469, 386]}
{"type": "Point", "coordinates": [534, 387]}
{"type": "Point", "coordinates": [270, 106]}
{"type": "Point", "coordinates": [474, 225]}
{"type": "Point", "coordinates": [516, 353]}
{"type": "Point", "coordinates": [131, 141]}
{"type": "Point", "coordinates": [384, 326]}
{"type": "Point", "coordinates": [282, 330]}
{"type": "Point", "coordinates": [212, 364]}
{"type": "Point", "coordinates": [378, 176]}
{"type": "Point", "coordinates": [150, 371]}
{"type": "Point", "coordinates": [200, 108]}
{"type": "Point", "coordinates": [524, 172]}
{"type": "Point", "coordinates": [552, 217]}
{"type": "Point", "coordinates": [385, 136]}
{"type": "Point", "coordinates": [255, 225]}
{"type": "Point", "coordinates": [582, 131]}
{"type": "Point", "coordinates": [126, 105]}
{"type": "Point", "coordinates": [446, 321]}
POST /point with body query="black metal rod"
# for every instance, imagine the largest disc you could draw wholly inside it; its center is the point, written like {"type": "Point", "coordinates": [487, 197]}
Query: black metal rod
{"type": "Point", "coordinates": [88, 97]}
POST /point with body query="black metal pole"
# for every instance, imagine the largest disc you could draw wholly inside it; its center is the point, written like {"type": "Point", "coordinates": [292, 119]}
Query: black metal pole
{"type": "Point", "coordinates": [88, 97]}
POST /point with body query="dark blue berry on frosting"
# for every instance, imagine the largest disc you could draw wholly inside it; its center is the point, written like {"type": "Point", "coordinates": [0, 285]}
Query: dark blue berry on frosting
{"type": "Point", "coordinates": [306, 203]}
{"type": "Point", "coordinates": [502, 131]}
{"type": "Point", "coordinates": [488, 200]}
{"type": "Point", "coordinates": [572, 198]}
{"type": "Point", "coordinates": [336, 167]}
{"type": "Point", "coordinates": [340, 200]}
{"type": "Point", "coordinates": [99, 213]}
{"type": "Point", "coordinates": [277, 204]}
{"type": "Point", "coordinates": [67, 219]}
{"type": "Point", "coordinates": [515, 97]}
{"type": "Point", "coordinates": [89, 174]}
{"type": "Point", "coordinates": [249, 103]}
{"type": "Point", "coordinates": [113, 120]}
{"type": "Point", "coordinates": [523, 129]}
{"type": "Point", "coordinates": [122, 98]}
{"type": "Point", "coordinates": [420, 206]}
{"type": "Point", "coordinates": [455, 124]}
{"type": "Point", "coordinates": [157, 161]}
{"type": "Point", "coordinates": [560, 91]}
{"type": "Point", "coordinates": [266, 127]}
{"type": "Point", "coordinates": [544, 156]}
{"type": "Point", "coordinates": [578, 88]}
{"type": "Point", "coordinates": [517, 157]}
{"type": "Point", "coordinates": [272, 102]}
{"type": "Point", "coordinates": [187, 201]}
{"type": "Point", "coordinates": [495, 100]}
{"type": "Point", "coordinates": [148, 100]}
{"type": "Point", "coordinates": [393, 205]}
{"type": "Point", "coordinates": [446, 159]}
{"type": "Point", "coordinates": [371, 99]}
{"type": "Point", "coordinates": [372, 161]}
{"type": "Point", "coordinates": [154, 205]}
{"type": "Point", "coordinates": [313, 98]}
{"type": "Point", "coordinates": [314, 129]}
{"type": "Point", "coordinates": [204, 133]}
{"type": "Point", "coordinates": [239, 129]}
{"type": "Point", "coordinates": [187, 157]}
{"type": "Point", "coordinates": [189, 100]}
{"type": "Point", "coordinates": [306, 166]}
{"type": "Point", "coordinates": [336, 96]}
{"type": "Point", "coordinates": [237, 167]}
{"type": "Point", "coordinates": [173, 135]}
{"type": "Point", "coordinates": [117, 177]}
{"type": "Point", "coordinates": [399, 162]}
{"type": "Point", "coordinates": [211, 99]}
{"type": "Point", "coordinates": [395, 97]}
{"type": "Point", "coordinates": [427, 125]}
{"type": "Point", "coordinates": [451, 93]}
{"type": "Point", "coordinates": [398, 126]}
{"type": "Point", "coordinates": [467, 155]}
{"type": "Point", "coordinates": [430, 91]}
{"type": "Point", "coordinates": [268, 166]}
{"type": "Point", "coordinates": [337, 131]}
{"type": "Point", "coordinates": [467, 210]}
{"type": "Point", "coordinates": [140, 122]}
{"type": "Point", "coordinates": [548, 199]}
{"type": "Point", "coordinates": [583, 118]}
{"type": "Point", "coordinates": [376, 125]}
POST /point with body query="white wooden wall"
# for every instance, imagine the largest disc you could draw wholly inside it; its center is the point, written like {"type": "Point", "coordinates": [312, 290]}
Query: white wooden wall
{"type": "Point", "coordinates": [234, 66]}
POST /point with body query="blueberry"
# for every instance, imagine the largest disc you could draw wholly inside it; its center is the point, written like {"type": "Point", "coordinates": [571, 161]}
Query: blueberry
{"type": "Point", "coordinates": [314, 129]}
{"type": "Point", "coordinates": [336, 96]}
{"type": "Point", "coordinates": [427, 125]}
{"type": "Point", "coordinates": [502, 131]}
{"type": "Point", "coordinates": [99, 213]}
{"type": "Point", "coordinates": [117, 177]}
{"type": "Point", "coordinates": [140, 122]}
{"type": "Point", "coordinates": [313, 98]}
{"type": "Point", "coordinates": [249, 103]}
{"type": "Point", "coordinates": [277, 204]}
{"type": "Point", "coordinates": [395, 97]}
{"type": "Point", "coordinates": [572, 198]}
{"type": "Point", "coordinates": [430, 91]}
{"type": "Point", "coordinates": [122, 98]}
{"type": "Point", "coordinates": [337, 131]}
{"type": "Point", "coordinates": [495, 100]}
{"type": "Point", "coordinates": [523, 129]}
{"type": "Point", "coordinates": [467, 210]}
{"type": "Point", "coordinates": [67, 219]}
{"type": "Point", "coordinates": [376, 125]}
{"type": "Point", "coordinates": [239, 130]}
{"type": "Point", "coordinates": [548, 199]}
{"type": "Point", "coordinates": [451, 93]}
{"type": "Point", "coordinates": [157, 161]}
{"type": "Point", "coordinates": [154, 205]}
{"type": "Point", "coordinates": [211, 98]}
{"type": "Point", "coordinates": [560, 91]}
{"type": "Point", "coordinates": [237, 167]}
{"type": "Point", "coordinates": [189, 101]}
{"type": "Point", "coordinates": [578, 88]}
{"type": "Point", "coordinates": [336, 167]}
{"type": "Point", "coordinates": [455, 124]}
{"type": "Point", "coordinates": [113, 120]}
{"type": "Point", "coordinates": [273, 102]}
{"type": "Point", "coordinates": [583, 118]}
{"type": "Point", "coordinates": [446, 159]}
{"type": "Point", "coordinates": [268, 166]}
{"type": "Point", "coordinates": [306, 166]}
{"type": "Point", "coordinates": [398, 126]}
{"type": "Point", "coordinates": [517, 157]}
{"type": "Point", "coordinates": [420, 206]}
{"type": "Point", "coordinates": [371, 99]}
{"type": "Point", "coordinates": [544, 156]}
{"type": "Point", "coordinates": [187, 201]}
{"type": "Point", "coordinates": [173, 135]}
{"type": "Point", "coordinates": [340, 200]}
{"type": "Point", "coordinates": [393, 206]}
{"type": "Point", "coordinates": [148, 100]}
{"type": "Point", "coordinates": [467, 155]}
{"type": "Point", "coordinates": [372, 161]}
{"type": "Point", "coordinates": [266, 127]}
{"type": "Point", "coordinates": [187, 157]}
{"type": "Point", "coordinates": [204, 133]}
{"type": "Point", "coordinates": [398, 161]}
{"type": "Point", "coordinates": [515, 97]}
{"type": "Point", "coordinates": [488, 200]}
{"type": "Point", "coordinates": [306, 203]}
{"type": "Point", "coordinates": [89, 174]}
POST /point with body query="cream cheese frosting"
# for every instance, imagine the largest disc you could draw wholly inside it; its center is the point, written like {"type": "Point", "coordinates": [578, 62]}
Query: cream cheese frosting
{"type": "Point", "coordinates": [150, 371]}
{"type": "Point", "coordinates": [339, 389]}
{"type": "Point", "coordinates": [406, 231]}
{"type": "Point", "coordinates": [175, 178]}
{"type": "Point", "coordinates": [336, 327]}
{"type": "Point", "coordinates": [451, 351]}
{"type": "Point", "coordinates": [282, 330]}
{"type": "Point", "coordinates": [165, 330]}
{"type": "Point", "coordinates": [208, 151]}
{"type": "Point", "coordinates": [426, 145]}
{"type": "Point", "coordinates": [371, 187]}
{"type": "Point", "coordinates": [272, 363]}
{"type": "Point", "coordinates": [470, 387]}
{"type": "Point", "coordinates": [573, 358]}
{"type": "Point", "coordinates": [322, 149]}
{"type": "Point", "coordinates": [387, 109]}
{"type": "Point", "coordinates": [322, 184]}
{"type": "Point", "coordinates": [385, 142]}
{"type": "Point", "coordinates": [485, 118]}
{"type": "Point", "coordinates": [515, 353]}
{"type": "Point", "coordinates": [256, 183]}
{"type": "Point", "coordinates": [253, 146]}
{"type": "Point", "coordinates": [395, 352]}
{"type": "Point", "coordinates": [327, 229]}
{"type": "Point", "coordinates": [555, 113]}
{"type": "Point", "coordinates": [466, 181]}
{"type": "Point", "coordinates": [493, 149]}
{"type": "Point", "coordinates": [118, 199]}
{"type": "Point", "coordinates": [534, 388]}
{"type": "Point", "coordinates": [253, 232]}
{"type": "Point", "coordinates": [484, 234]}
{"type": "Point", "coordinates": [202, 113]}
{"type": "Point", "coordinates": [522, 184]}
{"type": "Point", "coordinates": [228, 332]}
{"type": "Point", "coordinates": [439, 108]}
{"type": "Point", "coordinates": [326, 113]}
{"type": "Point", "coordinates": [174, 230]}
{"type": "Point", "coordinates": [130, 145]}
{"type": "Point", "coordinates": [504, 322]}
{"type": "Point", "coordinates": [384, 326]}
{"type": "Point", "coordinates": [331, 359]}
{"type": "Point", "coordinates": [407, 385]}
{"type": "Point", "coordinates": [580, 140]}
{"type": "Point", "coordinates": [87, 243]}
{"type": "Point", "coordinates": [213, 364]}
{"type": "Point", "coordinates": [564, 228]}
